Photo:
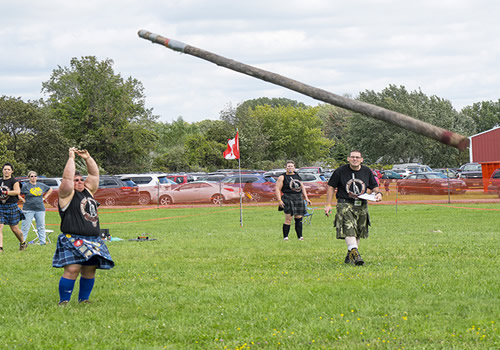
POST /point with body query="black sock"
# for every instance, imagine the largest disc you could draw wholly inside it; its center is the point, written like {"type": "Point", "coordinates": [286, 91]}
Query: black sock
{"type": "Point", "coordinates": [298, 227]}
{"type": "Point", "coordinates": [286, 230]}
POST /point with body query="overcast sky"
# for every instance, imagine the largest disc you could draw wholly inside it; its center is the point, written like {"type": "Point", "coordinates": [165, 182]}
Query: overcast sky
{"type": "Point", "coordinates": [447, 48]}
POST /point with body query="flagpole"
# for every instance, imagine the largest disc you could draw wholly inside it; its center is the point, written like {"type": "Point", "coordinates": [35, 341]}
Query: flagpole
{"type": "Point", "coordinates": [239, 172]}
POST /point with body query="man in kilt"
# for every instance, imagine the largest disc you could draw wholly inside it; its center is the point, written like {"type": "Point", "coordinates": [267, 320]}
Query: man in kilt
{"type": "Point", "coordinates": [80, 249]}
{"type": "Point", "coordinates": [292, 200]}
{"type": "Point", "coordinates": [352, 219]}
{"type": "Point", "coordinates": [10, 214]}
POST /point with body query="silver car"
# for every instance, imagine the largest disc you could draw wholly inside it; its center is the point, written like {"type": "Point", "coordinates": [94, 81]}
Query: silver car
{"type": "Point", "coordinates": [200, 192]}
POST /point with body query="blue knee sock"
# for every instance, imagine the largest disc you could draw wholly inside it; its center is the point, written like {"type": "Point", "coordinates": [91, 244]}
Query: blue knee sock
{"type": "Point", "coordinates": [65, 289]}
{"type": "Point", "coordinates": [86, 285]}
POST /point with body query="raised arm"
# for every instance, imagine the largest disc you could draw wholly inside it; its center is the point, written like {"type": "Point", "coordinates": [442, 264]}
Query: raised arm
{"type": "Point", "coordinates": [92, 180]}
{"type": "Point", "coordinates": [67, 187]}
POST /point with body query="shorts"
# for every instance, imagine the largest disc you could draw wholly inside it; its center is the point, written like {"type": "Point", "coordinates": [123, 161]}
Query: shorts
{"type": "Point", "coordinates": [82, 250]}
{"type": "Point", "coordinates": [10, 214]}
{"type": "Point", "coordinates": [352, 221]}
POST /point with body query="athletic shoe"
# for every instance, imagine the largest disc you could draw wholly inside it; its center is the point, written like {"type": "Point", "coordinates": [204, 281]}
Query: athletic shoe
{"type": "Point", "coordinates": [63, 303]}
{"type": "Point", "coordinates": [22, 246]}
{"type": "Point", "coordinates": [356, 257]}
{"type": "Point", "coordinates": [84, 301]}
{"type": "Point", "coordinates": [301, 238]}
{"type": "Point", "coordinates": [348, 259]}
{"type": "Point", "coordinates": [285, 239]}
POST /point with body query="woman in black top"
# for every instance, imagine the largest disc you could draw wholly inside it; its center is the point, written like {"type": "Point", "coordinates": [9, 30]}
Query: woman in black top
{"type": "Point", "coordinates": [292, 200]}
{"type": "Point", "coordinates": [10, 214]}
{"type": "Point", "coordinates": [80, 249]}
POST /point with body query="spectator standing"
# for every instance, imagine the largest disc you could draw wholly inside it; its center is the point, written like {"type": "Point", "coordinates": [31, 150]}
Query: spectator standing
{"type": "Point", "coordinates": [80, 249]}
{"type": "Point", "coordinates": [10, 214]}
{"type": "Point", "coordinates": [352, 218]}
{"type": "Point", "coordinates": [292, 200]}
{"type": "Point", "coordinates": [34, 195]}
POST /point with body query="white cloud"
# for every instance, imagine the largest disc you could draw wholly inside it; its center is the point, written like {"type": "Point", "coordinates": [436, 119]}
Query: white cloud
{"type": "Point", "coordinates": [446, 48]}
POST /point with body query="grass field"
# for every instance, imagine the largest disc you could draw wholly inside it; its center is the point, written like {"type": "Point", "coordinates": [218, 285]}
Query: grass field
{"type": "Point", "coordinates": [430, 282]}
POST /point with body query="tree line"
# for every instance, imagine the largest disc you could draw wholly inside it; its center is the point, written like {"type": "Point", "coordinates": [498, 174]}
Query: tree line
{"type": "Point", "coordinates": [89, 106]}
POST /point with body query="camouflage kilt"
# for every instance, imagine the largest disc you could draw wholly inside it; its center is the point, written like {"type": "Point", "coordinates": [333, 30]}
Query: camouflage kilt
{"type": "Point", "coordinates": [352, 221]}
{"type": "Point", "coordinates": [294, 204]}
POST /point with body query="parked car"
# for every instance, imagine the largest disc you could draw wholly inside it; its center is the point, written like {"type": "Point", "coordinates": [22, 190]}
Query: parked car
{"type": "Point", "coordinates": [275, 173]}
{"type": "Point", "coordinates": [112, 191]}
{"type": "Point", "coordinates": [315, 184]}
{"type": "Point", "coordinates": [151, 186]}
{"type": "Point", "coordinates": [311, 170]}
{"type": "Point", "coordinates": [391, 174]}
{"type": "Point", "coordinates": [259, 187]}
{"type": "Point", "coordinates": [413, 168]}
{"type": "Point", "coordinates": [430, 183]}
{"type": "Point", "coordinates": [212, 177]}
{"type": "Point", "coordinates": [403, 172]}
{"type": "Point", "coordinates": [472, 174]}
{"type": "Point", "coordinates": [200, 192]}
{"type": "Point", "coordinates": [180, 179]}
{"type": "Point", "coordinates": [494, 186]}
{"type": "Point", "coordinates": [452, 174]}
{"type": "Point", "coordinates": [52, 182]}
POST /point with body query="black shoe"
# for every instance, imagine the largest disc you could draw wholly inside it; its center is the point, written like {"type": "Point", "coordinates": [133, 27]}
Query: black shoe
{"type": "Point", "coordinates": [348, 259]}
{"type": "Point", "coordinates": [23, 246]}
{"type": "Point", "coordinates": [356, 257]}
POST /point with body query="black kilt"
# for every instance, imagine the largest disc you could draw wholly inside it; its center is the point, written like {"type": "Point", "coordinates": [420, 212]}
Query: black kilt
{"type": "Point", "coordinates": [294, 204]}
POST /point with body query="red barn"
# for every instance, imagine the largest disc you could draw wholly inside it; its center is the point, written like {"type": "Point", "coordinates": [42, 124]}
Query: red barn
{"type": "Point", "coordinates": [485, 149]}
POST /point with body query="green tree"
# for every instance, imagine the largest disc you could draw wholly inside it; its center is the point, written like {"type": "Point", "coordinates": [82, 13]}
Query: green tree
{"type": "Point", "coordinates": [292, 133]}
{"type": "Point", "coordinates": [103, 113]}
{"type": "Point", "coordinates": [485, 115]}
{"type": "Point", "coordinates": [383, 143]}
{"type": "Point", "coordinates": [34, 137]}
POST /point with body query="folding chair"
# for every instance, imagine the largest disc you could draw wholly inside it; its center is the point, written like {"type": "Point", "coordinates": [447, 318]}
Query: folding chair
{"type": "Point", "coordinates": [37, 239]}
{"type": "Point", "coordinates": [309, 213]}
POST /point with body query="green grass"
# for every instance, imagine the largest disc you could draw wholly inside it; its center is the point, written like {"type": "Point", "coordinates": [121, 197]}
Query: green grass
{"type": "Point", "coordinates": [430, 282]}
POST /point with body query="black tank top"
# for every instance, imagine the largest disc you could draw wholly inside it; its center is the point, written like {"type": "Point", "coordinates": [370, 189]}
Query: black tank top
{"type": "Point", "coordinates": [291, 183]}
{"type": "Point", "coordinates": [80, 217]}
{"type": "Point", "coordinates": [9, 185]}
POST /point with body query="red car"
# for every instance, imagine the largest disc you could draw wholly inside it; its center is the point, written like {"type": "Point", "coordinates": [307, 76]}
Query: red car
{"type": "Point", "coordinates": [431, 183]}
{"type": "Point", "coordinates": [112, 191]}
{"type": "Point", "coordinates": [494, 186]}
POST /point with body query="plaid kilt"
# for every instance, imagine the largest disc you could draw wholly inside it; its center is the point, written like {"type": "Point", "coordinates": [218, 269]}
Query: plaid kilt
{"type": "Point", "coordinates": [294, 204]}
{"type": "Point", "coordinates": [10, 214]}
{"type": "Point", "coordinates": [78, 249]}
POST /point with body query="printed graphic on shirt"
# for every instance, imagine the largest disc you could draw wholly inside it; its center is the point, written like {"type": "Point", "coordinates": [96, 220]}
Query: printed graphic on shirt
{"type": "Point", "coordinates": [36, 191]}
{"type": "Point", "coordinates": [295, 185]}
{"type": "Point", "coordinates": [88, 207]}
{"type": "Point", "coordinates": [355, 187]}
{"type": "Point", "coordinates": [3, 197]}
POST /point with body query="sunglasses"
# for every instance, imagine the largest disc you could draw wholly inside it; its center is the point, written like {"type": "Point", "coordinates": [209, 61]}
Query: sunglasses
{"type": "Point", "coordinates": [33, 176]}
{"type": "Point", "coordinates": [79, 180]}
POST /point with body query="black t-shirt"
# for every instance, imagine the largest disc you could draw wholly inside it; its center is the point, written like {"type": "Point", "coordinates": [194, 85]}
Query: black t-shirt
{"type": "Point", "coordinates": [9, 185]}
{"type": "Point", "coordinates": [80, 217]}
{"type": "Point", "coordinates": [291, 183]}
{"type": "Point", "coordinates": [348, 181]}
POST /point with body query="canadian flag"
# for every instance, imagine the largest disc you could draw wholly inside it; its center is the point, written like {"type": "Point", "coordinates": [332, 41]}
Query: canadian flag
{"type": "Point", "coordinates": [233, 149]}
